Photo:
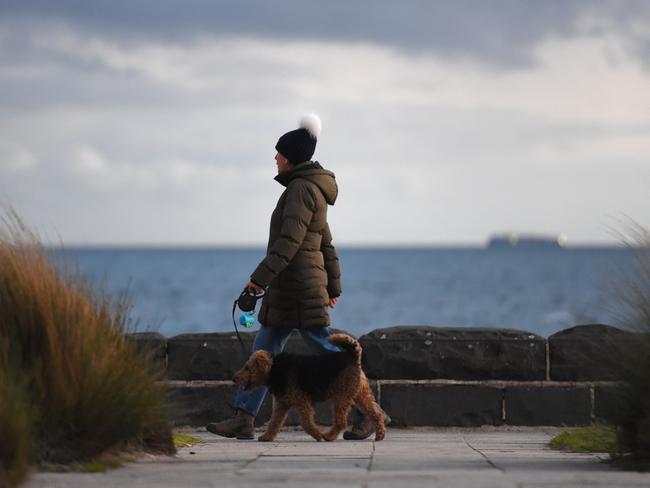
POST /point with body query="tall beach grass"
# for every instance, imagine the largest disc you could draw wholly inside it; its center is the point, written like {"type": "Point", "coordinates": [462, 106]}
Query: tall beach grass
{"type": "Point", "coordinates": [15, 423]}
{"type": "Point", "coordinates": [633, 418]}
{"type": "Point", "coordinates": [71, 385]}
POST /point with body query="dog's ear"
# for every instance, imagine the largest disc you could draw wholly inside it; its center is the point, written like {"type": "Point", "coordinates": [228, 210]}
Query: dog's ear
{"type": "Point", "coordinates": [263, 360]}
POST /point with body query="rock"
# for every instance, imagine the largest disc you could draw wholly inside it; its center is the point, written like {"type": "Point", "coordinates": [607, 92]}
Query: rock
{"type": "Point", "coordinates": [610, 405]}
{"type": "Point", "coordinates": [152, 345]}
{"type": "Point", "coordinates": [454, 353]}
{"type": "Point", "coordinates": [588, 352]}
{"type": "Point", "coordinates": [200, 404]}
{"type": "Point", "coordinates": [442, 405]}
{"type": "Point", "coordinates": [216, 356]}
{"type": "Point", "coordinates": [530, 405]}
{"type": "Point", "coordinates": [206, 356]}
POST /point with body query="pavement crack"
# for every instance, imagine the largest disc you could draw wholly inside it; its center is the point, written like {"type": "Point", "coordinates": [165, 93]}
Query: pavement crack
{"type": "Point", "coordinates": [487, 459]}
{"type": "Point", "coordinates": [372, 457]}
{"type": "Point", "coordinates": [251, 461]}
{"type": "Point", "coordinates": [370, 463]}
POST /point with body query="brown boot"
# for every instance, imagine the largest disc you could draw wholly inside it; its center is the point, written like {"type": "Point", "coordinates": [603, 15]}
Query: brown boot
{"type": "Point", "coordinates": [240, 426]}
{"type": "Point", "coordinates": [364, 426]}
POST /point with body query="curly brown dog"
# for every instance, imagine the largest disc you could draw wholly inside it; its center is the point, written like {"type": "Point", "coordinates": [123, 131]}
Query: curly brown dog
{"type": "Point", "coordinates": [300, 381]}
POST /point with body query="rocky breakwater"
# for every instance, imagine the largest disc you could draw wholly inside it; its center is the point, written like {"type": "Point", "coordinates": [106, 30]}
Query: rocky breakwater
{"type": "Point", "coordinates": [423, 375]}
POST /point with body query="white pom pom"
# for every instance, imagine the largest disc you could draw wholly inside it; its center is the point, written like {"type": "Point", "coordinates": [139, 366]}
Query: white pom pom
{"type": "Point", "coordinates": [312, 123]}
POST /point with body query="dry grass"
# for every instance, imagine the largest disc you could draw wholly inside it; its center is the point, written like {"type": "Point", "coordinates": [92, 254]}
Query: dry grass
{"type": "Point", "coordinates": [15, 423]}
{"type": "Point", "coordinates": [634, 362]}
{"type": "Point", "coordinates": [87, 388]}
{"type": "Point", "coordinates": [634, 288]}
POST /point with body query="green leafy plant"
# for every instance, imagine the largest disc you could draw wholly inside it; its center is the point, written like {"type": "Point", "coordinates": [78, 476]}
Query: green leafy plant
{"type": "Point", "coordinates": [185, 440]}
{"type": "Point", "coordinates": [596, 438]}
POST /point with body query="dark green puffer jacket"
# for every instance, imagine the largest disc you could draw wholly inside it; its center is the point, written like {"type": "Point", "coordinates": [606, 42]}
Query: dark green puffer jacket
{"type": "Point", "coordinates": [301, 268]}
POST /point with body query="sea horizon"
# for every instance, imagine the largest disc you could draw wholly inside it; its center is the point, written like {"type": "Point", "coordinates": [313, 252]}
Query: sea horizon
{"type": "Point", "coordinates": [356, 246]}
{"type": "Point", "coordinates": [186, 289]}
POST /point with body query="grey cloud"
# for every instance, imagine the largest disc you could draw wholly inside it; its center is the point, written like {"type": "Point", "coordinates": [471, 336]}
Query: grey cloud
{"type": "Point", "coordinates": [58, 102]}
{"type": "Point", "coordinates": [501, 32]}
{"type": "Point", "coordinates": [37, 82]}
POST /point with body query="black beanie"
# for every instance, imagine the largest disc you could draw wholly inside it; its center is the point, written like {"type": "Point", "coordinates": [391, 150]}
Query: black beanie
{"type": "Point", "coordinates": [299, 145]}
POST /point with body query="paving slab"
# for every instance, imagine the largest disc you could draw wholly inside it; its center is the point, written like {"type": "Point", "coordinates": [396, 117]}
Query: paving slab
{"type": "Point", "coordinates": [495, 457]}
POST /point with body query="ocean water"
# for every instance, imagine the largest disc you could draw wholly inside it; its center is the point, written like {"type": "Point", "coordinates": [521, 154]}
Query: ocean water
{"type": "Point", "coordinates": [176, 291]}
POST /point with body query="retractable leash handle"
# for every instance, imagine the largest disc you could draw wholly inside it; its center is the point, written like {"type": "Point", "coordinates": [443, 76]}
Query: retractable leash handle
{"type": "Point", "coordinates": [246, 303]}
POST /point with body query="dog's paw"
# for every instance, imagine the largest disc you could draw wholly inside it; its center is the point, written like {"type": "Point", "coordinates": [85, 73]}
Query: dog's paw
{"type": "Point", "coordinates": [330, 436]}
{"type": "Point", "coordinates": [379, 436]}
{"type": "Point", "coordinates": [265, 438]}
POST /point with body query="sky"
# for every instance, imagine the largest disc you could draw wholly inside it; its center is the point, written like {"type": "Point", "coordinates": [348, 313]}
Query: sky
{"type": "Point", "coordinates": [138, 122]}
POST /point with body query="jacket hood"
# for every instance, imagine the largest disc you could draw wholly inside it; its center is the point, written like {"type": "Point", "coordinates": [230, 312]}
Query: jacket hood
{"type": "Point", "coordinates": [312, 171]}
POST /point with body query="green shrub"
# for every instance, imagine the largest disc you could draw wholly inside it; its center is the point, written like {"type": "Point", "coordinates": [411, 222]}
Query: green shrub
{"type": "Point", "coordinates": [88, 389]}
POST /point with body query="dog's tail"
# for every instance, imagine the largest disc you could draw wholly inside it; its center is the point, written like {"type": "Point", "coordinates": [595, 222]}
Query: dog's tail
{"type": "Point", "coordinates": [347, 343]}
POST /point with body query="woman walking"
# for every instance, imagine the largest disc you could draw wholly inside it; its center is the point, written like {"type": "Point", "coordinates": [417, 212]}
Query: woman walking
{"type": "Point", "coordinates": [301, 267]}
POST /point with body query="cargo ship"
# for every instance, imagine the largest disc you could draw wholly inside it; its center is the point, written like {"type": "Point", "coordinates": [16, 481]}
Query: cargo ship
{"type": "Point", "coordinates": [516, 240]}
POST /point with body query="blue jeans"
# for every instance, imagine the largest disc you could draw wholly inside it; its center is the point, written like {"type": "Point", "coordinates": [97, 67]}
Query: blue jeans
{"type": "Point", "coordinates": [273, 340]}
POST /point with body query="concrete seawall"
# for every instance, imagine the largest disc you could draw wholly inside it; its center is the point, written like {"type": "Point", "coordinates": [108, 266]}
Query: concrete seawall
{"type": "Point", "coordinates": [423, 376]}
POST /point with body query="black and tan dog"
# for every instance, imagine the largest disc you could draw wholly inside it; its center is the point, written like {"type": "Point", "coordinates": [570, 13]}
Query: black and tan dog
{"type": "Point", "coordinates": [299, 381]}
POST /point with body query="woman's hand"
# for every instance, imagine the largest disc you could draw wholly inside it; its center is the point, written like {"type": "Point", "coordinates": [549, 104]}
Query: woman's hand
{"type": "Point", "coordinates": [333, 301]}
{"type": "Point", "coordinates": [253, 287]}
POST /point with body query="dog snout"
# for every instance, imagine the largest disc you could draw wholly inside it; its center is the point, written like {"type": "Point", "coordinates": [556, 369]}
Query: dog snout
{"type": "Point", "coordinates": [236, 378]}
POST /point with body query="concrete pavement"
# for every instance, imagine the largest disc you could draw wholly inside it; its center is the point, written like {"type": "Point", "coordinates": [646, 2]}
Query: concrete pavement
{"type": "Point", "coordinates": [406, 458]}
